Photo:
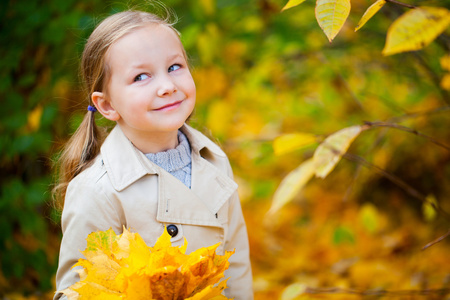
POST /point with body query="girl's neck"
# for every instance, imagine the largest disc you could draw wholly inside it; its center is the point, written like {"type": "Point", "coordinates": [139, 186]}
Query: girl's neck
{"type": "Point", "coordinates": [154, 142]}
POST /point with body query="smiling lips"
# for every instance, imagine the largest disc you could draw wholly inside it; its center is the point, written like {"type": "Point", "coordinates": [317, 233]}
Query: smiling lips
{"type": "Point", "coordinates": [169, 106]}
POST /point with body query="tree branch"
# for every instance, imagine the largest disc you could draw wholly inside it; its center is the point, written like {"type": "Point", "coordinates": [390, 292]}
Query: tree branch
{"type": "Point", "coordinates": [403, 128]}
{"type": "Point", "coordinates": [401, 3]}
{"type": "Point", "coordinates": [384, 293]}
{"type": "Point", "coordinates": [436, 240]}
{"type": "Point", "coordinates": [418, 114]}
{"type": "Point", "coordinates": [394, 179]}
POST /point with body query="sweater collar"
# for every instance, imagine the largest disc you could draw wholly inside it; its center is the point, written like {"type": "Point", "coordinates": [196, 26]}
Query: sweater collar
{"type": "Point", "coordinates": [173, 159]}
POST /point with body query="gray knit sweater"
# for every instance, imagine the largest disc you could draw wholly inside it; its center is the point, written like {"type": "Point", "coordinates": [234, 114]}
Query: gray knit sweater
{"type": "Point", "coordinates": [176, 161]}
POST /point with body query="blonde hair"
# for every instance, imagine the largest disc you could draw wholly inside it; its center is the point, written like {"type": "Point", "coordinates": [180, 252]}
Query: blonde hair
{"type": "Point", "coordinates": [84, 145]}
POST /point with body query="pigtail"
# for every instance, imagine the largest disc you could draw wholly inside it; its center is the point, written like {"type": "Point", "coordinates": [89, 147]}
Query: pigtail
{"type": "Point", "coordinates": [84, 145]}
{"type": "Point", "coordinates": [77, 155]}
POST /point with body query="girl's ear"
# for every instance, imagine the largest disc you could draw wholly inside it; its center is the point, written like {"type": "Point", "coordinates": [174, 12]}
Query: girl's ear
{"type": "Point", "coordinates": [104, 106]}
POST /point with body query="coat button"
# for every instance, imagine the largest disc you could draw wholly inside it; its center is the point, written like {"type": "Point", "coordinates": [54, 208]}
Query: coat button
{"type": "Point", "coordinates": [172, 230]}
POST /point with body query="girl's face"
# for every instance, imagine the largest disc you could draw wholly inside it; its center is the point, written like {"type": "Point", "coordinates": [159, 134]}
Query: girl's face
{"type": "Point", "coordinates": [150, 91]}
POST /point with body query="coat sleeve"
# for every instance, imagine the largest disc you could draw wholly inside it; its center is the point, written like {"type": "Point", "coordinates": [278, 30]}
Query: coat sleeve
{"type": "Point", "coordinates": [240, 272]}
{"type": "Point", "coordinates": [86, 209]}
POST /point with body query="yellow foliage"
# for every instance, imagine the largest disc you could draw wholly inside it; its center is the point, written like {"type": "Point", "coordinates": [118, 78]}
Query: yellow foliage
{"type": "Point", "coordinates": [210, 82]}
{"type": "Point", "coordinates": [250, 125]}
{"type": "Point", "coordinates": [331, 16]}
{"type": "Point", "coordinates": [445, 62]}
{"type": "Point", "coordinates": [292, 184]}
{"type": "Point", "coordinates": [34, 118]}
{"type": "Point", "coordinates": [208, 43]}
{"type": "Point", "coordinates": [252, 24]}
{"type": "Point", "coordinates": [329, 153]}
{"type": "Point", "coordinates": [429, 208]}
{"type": "Point", "coordinates": [124, 267]}
{"type": "Point", "coordinates": [293, 141]}
{"type": "Point", "coordinates": [220, 117]}
{"type": "Point", "coordinates": [368, 217]}
{"type": "Point", "coordinates": [370, 12]}
{"type": "Point", "coordinates": [209, 6]}
{"type": "Point", "coordinates": [416, 29]}
{"type": "Point", "coordinates": [445, 82]}
{"type": "Point", "coordinates": [292, 3]}
{"type": "Point", "coordinates": [233, 53]}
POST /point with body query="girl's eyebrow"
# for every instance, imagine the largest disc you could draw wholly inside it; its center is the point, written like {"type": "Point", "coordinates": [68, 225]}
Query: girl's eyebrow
{"type": "Point", "coordinates": [144, 64]}
{"type": "Point", "coordinates": [138, 66]}
{"type": "Point", "coordinates": [174, 56]}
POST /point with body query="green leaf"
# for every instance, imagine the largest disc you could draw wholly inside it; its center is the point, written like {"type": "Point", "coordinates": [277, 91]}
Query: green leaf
{"type": "Point", "coordinates": [342, 235]}
{"type": "Point", "coordinates": [368, 217]}
{"type": "Point", "coordinates": [12, 191]}
{"type": "Point", "coordinates": [36, 192]}
{"type": "Point", "coordinates": [102, 240]}
{"type": "Point", "coordinates": [428, 208]}
{"type": "Point", "coordinates": [22, 144]}
{"type": "Point", "coordinates": [15, 121]}
{"type": "Point", "coordinates": [49, 115]}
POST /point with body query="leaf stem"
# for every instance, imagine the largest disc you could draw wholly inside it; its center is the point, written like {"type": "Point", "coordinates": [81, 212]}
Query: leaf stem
{"type": "Point", "coordinates": [436, 240]}
{"type": "Point", "coordinates": [418, 114]}
{"type": "Point", "coordinates": [403, 128]}
{"type": "Point", "coordinates": [401, 3]}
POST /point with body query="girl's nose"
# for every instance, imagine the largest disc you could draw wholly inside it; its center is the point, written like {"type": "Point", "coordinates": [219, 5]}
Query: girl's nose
{"type": "Point", "coordinates": [166, 87]}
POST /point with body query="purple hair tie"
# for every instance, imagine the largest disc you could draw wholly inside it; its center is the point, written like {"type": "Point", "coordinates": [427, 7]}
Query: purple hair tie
{"type": "Point", "coordinates": [92, 108]}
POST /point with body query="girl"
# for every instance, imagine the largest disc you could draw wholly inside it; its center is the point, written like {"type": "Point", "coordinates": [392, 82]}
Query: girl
{"type": "Point", "coordinates": [152, 170]}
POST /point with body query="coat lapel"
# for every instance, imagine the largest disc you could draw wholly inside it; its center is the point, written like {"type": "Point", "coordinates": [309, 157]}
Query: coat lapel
{"type": "Point", "coordinates": [196, 206]}
{"type": "Point", "coordinates": [210, 188]}
{"type": "Point", "coordinates": [123, 162]}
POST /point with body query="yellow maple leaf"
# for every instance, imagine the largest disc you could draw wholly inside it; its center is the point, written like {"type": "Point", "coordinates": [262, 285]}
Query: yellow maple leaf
{"type": "Point", "coordinates": [204, 268]}
{"type": "Point", "coordinates": [124, 267]}
{"type": "Point", "coordinates": [211, 293]}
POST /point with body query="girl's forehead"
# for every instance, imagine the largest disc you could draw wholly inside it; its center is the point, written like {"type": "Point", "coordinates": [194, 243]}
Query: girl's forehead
{"type": "Point", "coordinates": [147, 34]}
{"type": "Point", "coordinates": [151, 31]}
{"type": "Point", "coordinates": [158, 39]}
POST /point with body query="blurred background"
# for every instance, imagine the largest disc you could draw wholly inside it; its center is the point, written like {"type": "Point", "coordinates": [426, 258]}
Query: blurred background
{"type": "Point", "coordinates": [259, 73]}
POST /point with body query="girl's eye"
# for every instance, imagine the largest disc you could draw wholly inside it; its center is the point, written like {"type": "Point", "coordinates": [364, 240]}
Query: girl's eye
{"type": "Point", "coordinates": [141, 77]}
{"type": "Point", "coordinates": [174, 67]}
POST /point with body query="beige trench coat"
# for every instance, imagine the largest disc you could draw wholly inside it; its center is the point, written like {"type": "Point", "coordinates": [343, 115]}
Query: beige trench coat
{"type": "Point", "coordinates": [123, 188]}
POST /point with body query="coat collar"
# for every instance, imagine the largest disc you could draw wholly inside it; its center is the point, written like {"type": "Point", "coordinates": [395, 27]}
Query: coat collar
{"type": "Point", "coordinates": [210, 190]}
{"type": "Point", "coordinates": [199, 142]}
{"type": "Point", "coordinates": [125, 164]}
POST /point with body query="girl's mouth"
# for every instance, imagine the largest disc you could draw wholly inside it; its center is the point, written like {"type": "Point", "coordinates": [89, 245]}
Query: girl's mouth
{"type": "Point", "coordinates": [169, 106]}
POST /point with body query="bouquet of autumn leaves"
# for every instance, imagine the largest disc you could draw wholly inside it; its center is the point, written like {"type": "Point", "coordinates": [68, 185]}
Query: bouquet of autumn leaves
{"type": "Point", "coordinates": [124, 267]}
